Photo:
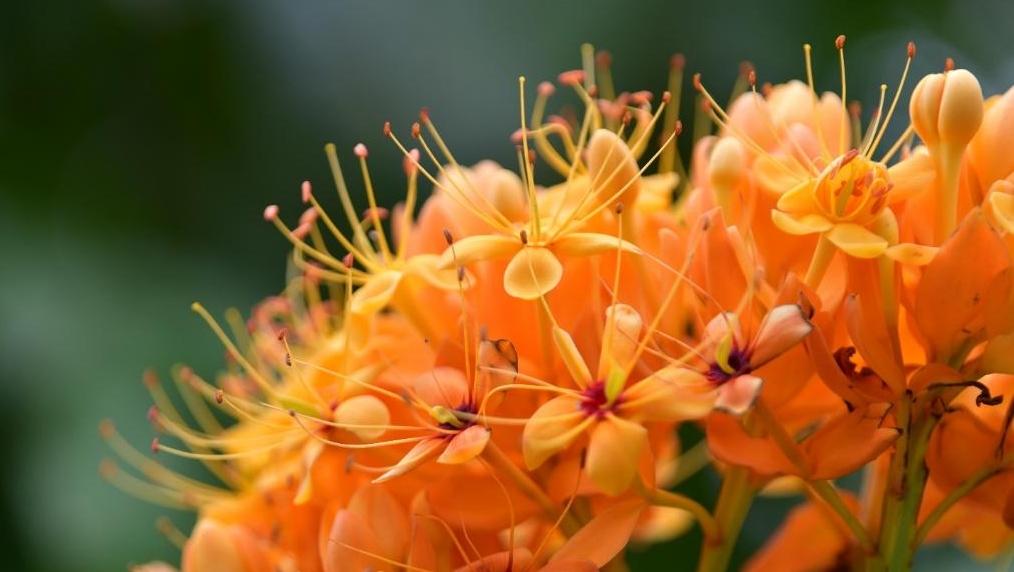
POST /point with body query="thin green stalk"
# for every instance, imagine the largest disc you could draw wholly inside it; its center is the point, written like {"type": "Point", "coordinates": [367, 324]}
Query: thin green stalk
{"type": "Point", "coordinates": [734, 502]}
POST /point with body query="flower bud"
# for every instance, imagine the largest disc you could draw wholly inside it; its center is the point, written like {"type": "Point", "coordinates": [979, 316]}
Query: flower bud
{"type": "Point", "coordinates": [947, 108]}
{"type": "Point", "coordinates": [728, 163]}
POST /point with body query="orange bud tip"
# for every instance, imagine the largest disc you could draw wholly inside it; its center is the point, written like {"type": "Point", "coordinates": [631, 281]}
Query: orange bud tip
{"type": "Point", "coordinates": [448, 237]}
{"type": "Point", "coordinates": [306, 190]}
{"type": "Point", "coordinates": [219, 396]}
{"type": "Point", "coordinates": [270, 212]}
{"type": "Point", "coordinates": [677, 62]}
{"type": "Point", "coordinates": [154, 445]}
{"type": "Point", "coordinates": [697, 81]}
{"type": "Point", "coordinates": [546, 89]}
{"type": "Point", "coordinates": [911, 49]}
{"type": "Point", "coordinates": [360, 151]}
{"type": "Point", "coordinates": [387, 129]}
{"type": "Point", "coordinates": [839, 42]}
{"type": "Point", "coordinates": [348, 260]}
{"type": "Point", "coordinates": [571, 77]}
{"type": "Point", "coordinates": [603, 59]}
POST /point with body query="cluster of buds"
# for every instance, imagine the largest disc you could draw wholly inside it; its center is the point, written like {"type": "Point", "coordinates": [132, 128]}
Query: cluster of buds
{"type": "Point", "coordinates": [492, 378]}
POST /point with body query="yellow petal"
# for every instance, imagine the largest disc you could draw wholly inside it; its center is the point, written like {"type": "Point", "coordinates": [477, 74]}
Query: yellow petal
{"type": "Point", "coordinates": [856, 240]}
{"type": "Point", "coordinates": [783, 327]}
{"type": "Point", "coordinates": [805, 224]}
{"type": "Point", "coordinates": [465, 446]}
{"type": "Point", "coordinates": [422, 451]}
{"type": "Point", "coordinates": [614, 452]}
{"type": "Point", "coordinates": [428, 267]}
{"type": "Point", "coordinates": [475, 248]}
{"type": "Point", "coordinates": [375, 293]}
{"type": "Point", "coordinates": [551, 429]}
{"type": "Point", "coordinates": [211, 547]}
{"type": "Point", "coordinates": [1002, 207]}
{"type": "Point", "coordinates": [533, 272]}
{"type": "Point", "coordinates": [571, 357]}
{"type": "Point", "coordinates": [912, 254]}
{"type": "Point", "coordinates": [365, 416]}
{"type": "Point", "coordinates": [620, 338]}
{"type": "Point", "coordinates": [672, 393]}
{"type": "Point", "coordinates": [612, 167]}
{"type": "Point", "coordinates": [800, 199]}
{"type": "Point", "coordinates": [305, 491]}
{"type": "Point", "coordinates": [590, 243]}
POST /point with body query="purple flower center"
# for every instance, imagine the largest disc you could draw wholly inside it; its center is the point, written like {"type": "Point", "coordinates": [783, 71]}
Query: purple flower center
{"type": "Point", "coordinates": [738, 363]}
{"type": "Point", "coordinates": [594, 402]}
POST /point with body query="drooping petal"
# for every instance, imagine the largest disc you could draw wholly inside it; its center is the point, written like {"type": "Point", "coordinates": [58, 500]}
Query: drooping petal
{"type": "Point", "coordinates": [422, 451]}
{"type": "Point", "coordinates": [865, 323]}
{"type": "Point", "coordinates": [478, 248]}
{"type": "Point", "coordinates": [782, 328]}
{"type": "Point", "coordinates": [802, 224]}
{"type": "Point", "coordinates": [533, 272]}
{"type": "Point", "coordinates": [571, 357]}
{"type": "Point", "coordinates": [604, 536]}
{"type": "Point", "coordinates": [375, 293]}
{"type": "Point", "coordinates": [671, 394]}
{"type": "Point", "coordinates": [849, 441]}
{"type": "Point", "coordinates": [738, 394]}
{"type": "Point", "coordinates": [465, 446]}
{"type": "Point", "coordinates": [442, 386]}
{"type": "Point", "coordinates": [552, 428]}
{"type": "Point", "coordinates": [350, 542]}
{"type": "Point", "coordinates": [856, 240]}
{"type": "Point", "coordinates": [428, 267]}
{"type": "Point", "coordinates": [383, 514]}
{"type": "Point", "coordinates": [365, 414]}
{"type": "Point", "coordinates": [614, 451]}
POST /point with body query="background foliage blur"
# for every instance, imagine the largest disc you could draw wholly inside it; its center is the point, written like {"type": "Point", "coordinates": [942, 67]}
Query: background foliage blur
{"type": "Point", "coordinates": [140, 140]}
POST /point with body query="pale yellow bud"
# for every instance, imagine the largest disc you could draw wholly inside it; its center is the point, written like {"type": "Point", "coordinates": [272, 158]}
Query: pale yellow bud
{"type": "Point", "coordinates": [947, 108]}
{"type": "Point", "coordinates": [728, 163]}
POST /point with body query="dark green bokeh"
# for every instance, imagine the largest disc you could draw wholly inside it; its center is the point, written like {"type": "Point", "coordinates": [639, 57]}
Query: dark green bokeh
{"type": "Point", "coordinates": [140, 139]}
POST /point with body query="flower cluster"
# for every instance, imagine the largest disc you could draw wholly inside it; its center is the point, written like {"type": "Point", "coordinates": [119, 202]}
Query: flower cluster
{"type": "Point", "coordinates": [492, 379]}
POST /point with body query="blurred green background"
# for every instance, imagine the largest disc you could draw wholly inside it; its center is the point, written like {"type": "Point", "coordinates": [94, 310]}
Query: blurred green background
{"type": "Point", "coordinates": [140, 140]}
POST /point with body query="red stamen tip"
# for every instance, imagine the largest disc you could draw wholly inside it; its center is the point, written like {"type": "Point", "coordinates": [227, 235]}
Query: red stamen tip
{"type": "Point", "coordinates": [149, 378]}
{"type": "Point", "coordinates": [416, 130]}
{"type": "Point", "coordinates": [424, 115]}
{"type": "Point", "coordinates": [360, 150]}
{"type": "Point", "coordinates": [448, 237]}
{"type": "Point", "coordinates": [839, 42]}
{"type": "Point", "coordinates": [106, 428]}
{"type": "Point", "coordinates": [387, 129]}
{"type": "Point", "coordinates": [571, 77]}
{"type": "Point", "coordinates": [948, 64]}
{"type": "Point", "coordinates": [546, 89]}
{"type": "Point", "coordinates": [697, 82]}
{"type": "Point", "coordinates": [517, 136]}
{"type": "Point", "coordinates": [666, 96]}
{"type": "Point", "coordinates": [306, 190]}
{"type": "Point", "coordinates": [153, 415]}
{"type": "Point", "coordinates": [911, 49]}
{"type": "Point", "coordinates": [219, 396]}
{"type": "Point", "coordinates": [677, 62]}
{"type": "Point", "coordinates": [348, 260]}
{"type": "Point", "coordinates": [411, 162]}
{"type": "Point", "coordinates": [745, 67]}
{"type": "Point", "coordinates": [524, 236]}
{"type": "Point", "coordinates": [855, 109]}
{"type": "Point", "coordinates": [282, 333]}
{"type": "Point", "coordinates": [154, 445]}
{"type": "Point", "coordinates": [752, 78]}
{"type": "Point", "coordinates": [270, 212]}
{"type": "Point", "coordinates": [678, 128]}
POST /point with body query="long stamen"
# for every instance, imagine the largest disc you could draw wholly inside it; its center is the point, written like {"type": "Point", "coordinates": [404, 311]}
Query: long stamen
{"type": "Point", "coordinates": [527, 174]}
{"type": "Point", "coordinates": [358, 235]}
{"type": "Point", "coordinates": [910, 52]}
{"type": "Point", "coordinates": [361, 152]}
{"type": "Point", "coordinates": [839, 44]}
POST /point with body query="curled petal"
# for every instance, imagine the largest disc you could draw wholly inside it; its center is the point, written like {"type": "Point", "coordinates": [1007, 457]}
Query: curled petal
{"type": "Point", "coordinates": [800, 199]}
{"type": "Point", "coordinates": [604, 536]}
{"type": "Point", "coordinates": [620, 338]}
{"type": "Point", "coordinates": [375, 293]}
{"type": "Point", "coordinates": [614, 451]}
{"type": "Point", "coordinates": [478, 248]}
{"type": "Point", "coordinates": [738, 394]}
{"type": "Point", "coordinates": [849, 441]}
{"type": "Point", "coordinates": [422, 451]}
{"type": "Point", "coordinates": [551, 429]}
{"type": "Point", "coordinates": [856, 240]}
{"type": "Point", "coordinates": [532, 273]}
{"type": "Point", "coordinates": [465, 446]}
{"type": "Point", "coordinates": [782, 328]}
{"type": "Point", "coordinates": [800, 225]}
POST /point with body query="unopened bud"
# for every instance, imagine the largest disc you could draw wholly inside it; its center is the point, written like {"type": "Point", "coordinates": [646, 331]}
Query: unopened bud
{"type": "Point", "coordinates": [947, 108]}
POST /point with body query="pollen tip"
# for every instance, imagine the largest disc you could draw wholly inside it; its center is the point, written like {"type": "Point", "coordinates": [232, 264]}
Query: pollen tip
{"type": "Point", "coordinates": [523, 235]}
{"type": "Point", "coordinates": [546, 89]}
{"type": "Point", "coordinates": [911, 49]}
{"type": "Point", "coordinates": [270, 212]}
{"type": "Point", "coordinates": [387, 129]}
{"type": "Point", "coordinates": [666, 96]}
{"type": "Point", "coordinates": [292, 412]}
{"type": "Point", "coordinates": [677, 62]}
{"type": "Point", "coordinates": [839, 42]}
{"type": "Point", "coordinates": [448, 237]}
{"type": "Point", "coordinates": [416, 130]}
{"type": "Point", "coordinates": [219, 396]}
{"type": "Point", "coordinates": [150, 378]}
{"type": "Point", "coordinates": [410, 164]}
{"type": "Point", "coordinates": [619, 208]}
{"type": "Point", "coordinates": [155, 445]}
{"type": "Point", "coordinates": [107, 469]}
{"type": "Point", "coordinates": [571, 77]}
{"type": "Point", "coordinates": [855, 109]}
{"type": "Point", "coordinates": [678, 128]}
{"type": "Point", "coordinates": [745, 67]}
{"type": "Point", "coordinates": [517, 136]}
{"type": "Point", "coordinates": [106, 428]}
{"type": "Point", "coordinates": [949, 64]}
{"type": "Point", "coordinates": [360, 150]}
{"type": "Point", "coordinates": [152, 415]}
{"type": "Point", "coordinates": [697, 81]}
{"type": "Point", "coordinates": [751, 77]}
{"type": "Point", "coordinates": [424, 114]}
{"type": "Point", "coordinates": [306, 190]}
{"type": "Point", "coordinates": [348, 260]}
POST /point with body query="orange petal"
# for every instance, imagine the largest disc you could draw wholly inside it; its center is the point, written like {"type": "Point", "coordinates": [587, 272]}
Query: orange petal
{"type": "Point", "coordinates": [614, 451]}
{"type": "Point", "coordinates": [365, 410]}
{"type": "Point", "coordinates": [671, 394]}
{"type": "Point", "coordinates": [552, 428]}
{"type": "Point", "coordinates": [799, 200]}
{"type": "Point", "coordinates": [381, 511]}
{"type": "Point", "coordinates": [533, 272]}
{"type": "Point", "coordinates": [807, 540]}
{"type": "Point", "coordinates": [465, 446]}
{"type": "Point", "coordinates": [613, 169]}
{"type": "Point", "coordinates": [443, 386]}
{"type": "Point", "coordinates": [912, 254]}
{"type": "Point", "coordinates": [349, 543]}
{"type": "Point", "coordinates": [866, 326]}
{"type": "Point", "coordinates": [428, 267]}
{"type": "Point", "coordinates": [571, 357]}
{"type": "Point", "coordinates": [729, 443]}
{"type": "Point", "coordinates": [590, 243]}
{"type": "Point", "coordinates": [783, 327]}
{"type": "Point", "coordinates": [738, 394]}
{"type": "Point", "coordinates": [605, 536]}
{"type": "Point", "coordinates": [478, 248]}
{"type": "Point", "coordinates": [422, 451]}
{"type": "Point", "coordinates": [800, 225]}
{"type": "Point", "coordinates": [849, 441]}
{"type": "Point", "coordinates": [619, 339]}
{"type": "Point", "coordinates": [211, 549]}
{"type": "Point", "coordinates": [506, 561]}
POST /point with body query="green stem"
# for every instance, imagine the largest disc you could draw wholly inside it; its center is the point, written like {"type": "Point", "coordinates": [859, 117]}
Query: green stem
{"type": "Point", "coordinates": [734, 502]}
{"type": "Point", "coordinates": [661, 497]}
